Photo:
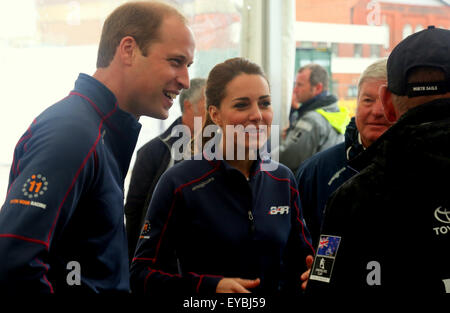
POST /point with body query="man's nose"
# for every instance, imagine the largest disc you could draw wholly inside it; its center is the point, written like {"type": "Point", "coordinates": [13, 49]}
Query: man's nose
{"type": "Point", "coordinates": [183, 78]}
{"type": "Point", "coordinates": [377, 108]}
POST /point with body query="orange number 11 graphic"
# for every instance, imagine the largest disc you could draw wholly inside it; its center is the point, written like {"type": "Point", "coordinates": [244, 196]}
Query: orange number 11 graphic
{"type": "Point", "coordinates": [34, 184]}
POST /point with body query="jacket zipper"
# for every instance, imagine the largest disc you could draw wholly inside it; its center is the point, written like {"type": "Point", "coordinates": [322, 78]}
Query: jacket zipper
{"type": "Point", "coordinates": [252, 223]}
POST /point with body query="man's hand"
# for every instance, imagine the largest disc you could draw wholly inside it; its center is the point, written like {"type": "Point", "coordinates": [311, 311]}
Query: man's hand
{"type": "Point", "coordinates": [236, 285]}
{"type": "Point", "coordinates": [304, 277]}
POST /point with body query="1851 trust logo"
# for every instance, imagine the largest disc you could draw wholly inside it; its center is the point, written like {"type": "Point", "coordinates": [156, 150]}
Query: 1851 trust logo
{"type": "Point", "coordinates": [35, 186]}
{"type": "Point", "coordinates": [145, 234]}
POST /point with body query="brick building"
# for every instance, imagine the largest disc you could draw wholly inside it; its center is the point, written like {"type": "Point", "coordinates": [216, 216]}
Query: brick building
{"type": "Point", "coordinates": [352, 24]}
{"type": "Point", "coordinates": [343, 35]}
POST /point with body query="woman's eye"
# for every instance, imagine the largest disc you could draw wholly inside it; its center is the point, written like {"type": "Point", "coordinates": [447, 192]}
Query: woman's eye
{"type": "Point", "coordinates": [265, 103]}
{"type": "Point", "coordinates": [240, 105]}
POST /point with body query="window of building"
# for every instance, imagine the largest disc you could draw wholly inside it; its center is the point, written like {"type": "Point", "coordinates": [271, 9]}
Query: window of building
{"type": "Point", "coordinates": [307, 44]}
{"type": "Point", "coordinates": [419, 27]}
{"type": "Point", "coordinates": [352, 91]}
{"type": "Point", "coordinates": [407, 30]}
{"type": "Point", "coordinates": [357, 52]}
{"type": "Point", "coordinates": [335, 49]}
{"type": "Point", "coordinates": [375, 51]}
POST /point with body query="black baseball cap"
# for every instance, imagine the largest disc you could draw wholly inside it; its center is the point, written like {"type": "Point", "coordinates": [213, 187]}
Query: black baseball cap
{"type": "Point", "coordinates": [430, 48]}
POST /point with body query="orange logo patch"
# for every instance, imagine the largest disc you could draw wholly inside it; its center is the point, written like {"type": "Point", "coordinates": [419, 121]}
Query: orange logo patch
{"type": "Point", "coordinates": [35, 186]}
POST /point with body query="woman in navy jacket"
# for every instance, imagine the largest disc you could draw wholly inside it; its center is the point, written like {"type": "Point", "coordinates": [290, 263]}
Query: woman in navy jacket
{"type": "Point", "coordinates": [232, 225]}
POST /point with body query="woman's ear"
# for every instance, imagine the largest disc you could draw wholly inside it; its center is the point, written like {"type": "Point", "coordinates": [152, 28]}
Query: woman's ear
{"type": "Point", "coordinates": [214, 113]}
{"type": "Point", "coordinates": [388, 105]}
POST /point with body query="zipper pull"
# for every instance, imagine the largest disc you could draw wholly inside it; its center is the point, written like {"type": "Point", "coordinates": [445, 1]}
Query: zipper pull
{"type": "Point", "coordinates": [252, 223]}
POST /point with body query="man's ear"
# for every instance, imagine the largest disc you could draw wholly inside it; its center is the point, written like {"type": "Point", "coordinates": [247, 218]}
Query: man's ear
{"type": "Point", "coordinates": [127, 50]}
{"type": "Point", "coordinates": [318, 88]}
{"type": "Point", "coordinates": [388, 106]}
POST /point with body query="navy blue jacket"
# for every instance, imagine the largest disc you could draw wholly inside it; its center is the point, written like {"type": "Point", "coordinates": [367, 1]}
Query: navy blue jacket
{"type": "Point", "coordinates": [65, 197]}
{"type": "Point", "coordinates": [319, 176]}
{"type": "Point", "coordinates": [206, 221]}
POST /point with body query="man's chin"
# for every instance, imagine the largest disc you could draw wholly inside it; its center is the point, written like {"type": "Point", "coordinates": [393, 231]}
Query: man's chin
{"type": "Point", "coordinates": [163, 116]}
{"type": "Point", "coordinates": [160, 115]}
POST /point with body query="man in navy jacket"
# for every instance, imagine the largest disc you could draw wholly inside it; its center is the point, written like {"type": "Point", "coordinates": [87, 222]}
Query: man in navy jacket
{"type": "Point", "coordinates": [319, 176]}
{"type": "Point", "coordinates": [61, 226]}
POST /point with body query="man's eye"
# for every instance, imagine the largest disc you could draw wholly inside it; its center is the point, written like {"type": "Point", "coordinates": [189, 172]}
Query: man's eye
{"type": "Point", "coordinates": [265, 103]}
{"type": "Point", "coordinates": [176, 62]}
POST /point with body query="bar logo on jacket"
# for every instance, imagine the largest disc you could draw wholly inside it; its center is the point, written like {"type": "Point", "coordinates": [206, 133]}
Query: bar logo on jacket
{"type": "Point", "coordinates": [274, 210]}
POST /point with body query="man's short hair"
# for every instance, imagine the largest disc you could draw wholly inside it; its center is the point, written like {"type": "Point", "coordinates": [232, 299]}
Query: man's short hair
{"type": "Point", "coordinates": [194, 93]}
{"type": "Point", "coordinates": [140, 20]}
{"type": "Point", "coordinates": [376, 70]}
{"type": "Point", "coordinates": [318, 75]}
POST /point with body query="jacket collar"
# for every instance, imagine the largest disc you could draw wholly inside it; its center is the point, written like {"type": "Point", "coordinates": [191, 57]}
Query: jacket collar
{"type": "Point", "coordinates": [229, 170]}
{"type": "Point", "coordinates": [166, 136]}
{"type": "Point", "coordinates": [121, 128]}
{"type": "Point", "coordinates": [105, 103]}
{"type": "Point", "coordinates": [321, 100]}
{"type": "Point", "coordinates": [99, 94]}
{"type": "Point", "coordinates": [353, 146]}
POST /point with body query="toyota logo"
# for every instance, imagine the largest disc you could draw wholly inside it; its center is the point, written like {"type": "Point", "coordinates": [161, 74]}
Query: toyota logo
{"type": "Point", "coordinates": [442, 215]}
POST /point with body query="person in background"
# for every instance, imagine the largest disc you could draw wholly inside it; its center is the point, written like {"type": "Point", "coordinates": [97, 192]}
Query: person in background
{"type": "Point", "coordinates": [319, 176]}
{"type": "Point", "coordinates": [293, 111]}
{"type": "Point", "coordinates": [225, 225]}
{"type": "Point", "coordinates": [155, 157]}
{"type": "Point", "coordinates": [384, 230]}
{"type": "Point", "coordinates": [318, 123]}
{"type": "Point", "coordinates": [62, 224]}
